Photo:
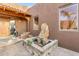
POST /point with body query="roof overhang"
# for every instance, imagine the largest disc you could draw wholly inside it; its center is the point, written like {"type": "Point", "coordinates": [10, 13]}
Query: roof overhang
{"type": "Point", "coordinates": [14, 10]}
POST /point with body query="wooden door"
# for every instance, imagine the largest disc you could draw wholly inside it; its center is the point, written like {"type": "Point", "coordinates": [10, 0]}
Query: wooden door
{"type": "Point", "coordinates": [4, 28]}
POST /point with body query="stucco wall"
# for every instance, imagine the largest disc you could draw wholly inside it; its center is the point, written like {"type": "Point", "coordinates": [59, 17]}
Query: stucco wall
{"type": "Point", "coordinates": [49, 14]}
{"type": "Point", "coordinates": [21, 26]}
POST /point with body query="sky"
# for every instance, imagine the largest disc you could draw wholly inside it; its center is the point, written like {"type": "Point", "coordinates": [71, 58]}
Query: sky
{"type": "Point", "coordinates": [26, 4]}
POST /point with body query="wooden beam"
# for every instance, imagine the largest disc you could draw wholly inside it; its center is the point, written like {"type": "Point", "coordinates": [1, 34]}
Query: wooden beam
{"type": "Point", "coordinates": [12, 13]}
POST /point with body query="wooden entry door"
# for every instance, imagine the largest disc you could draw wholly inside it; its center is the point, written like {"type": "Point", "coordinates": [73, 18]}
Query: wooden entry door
{"type": "Point", "coordinates": [4, 28]}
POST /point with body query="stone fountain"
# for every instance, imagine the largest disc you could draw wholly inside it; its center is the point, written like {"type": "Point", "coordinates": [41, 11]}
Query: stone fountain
{"type": "Point", "coordinates": [41, 45]}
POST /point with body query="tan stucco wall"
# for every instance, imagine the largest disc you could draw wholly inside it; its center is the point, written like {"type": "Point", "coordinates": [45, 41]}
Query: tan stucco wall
{"type": "Point", "coordinates": [21, 26]}
{"type": "Point", "coordinates": [49, 13]}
